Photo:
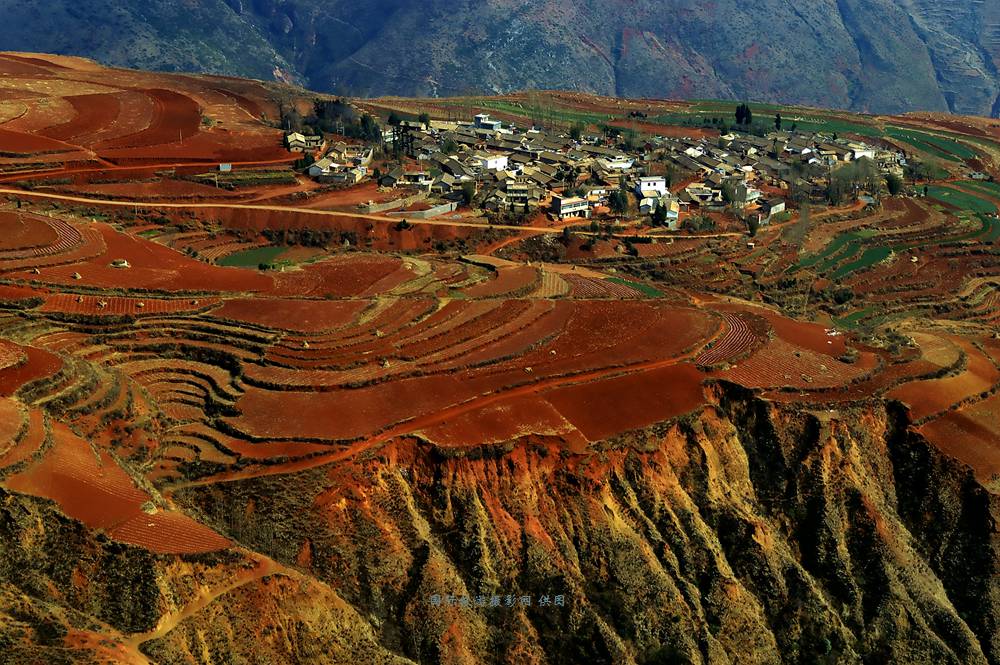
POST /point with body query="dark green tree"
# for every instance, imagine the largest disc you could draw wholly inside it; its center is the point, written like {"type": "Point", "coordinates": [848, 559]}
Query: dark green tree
{"type": "Point", "coordinates": [394, 119]}
{"type": "Point", "coordinates": [659, 216]}
{"type": "Point", "coordinates": [425, 119]}
{"type": "Point", "coordinates": [894, 184]}
{"type": "Point", "coordinates": [468, 191]}
{"type": "Point", "coordinates": [777, 121]}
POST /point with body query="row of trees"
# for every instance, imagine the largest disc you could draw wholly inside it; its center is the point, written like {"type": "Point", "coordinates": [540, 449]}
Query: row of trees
{"type": "Point", "coordinates": [332, 116]}
{"type": "Point", "coordinates": [848, 180]}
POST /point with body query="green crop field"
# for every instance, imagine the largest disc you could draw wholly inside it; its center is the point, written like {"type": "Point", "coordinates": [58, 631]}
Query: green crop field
{"type": "Point", "coordinates": [981, 186]}
{"type": "Point", "coordinates": [644, 289]}
{"type": "Point", "coordinates": [932, 144]}
{"type": "Point", "coordinates": [832, 126]}
{"type": "Point", "coordinates": [853, 319]}
{"type": "Point", "coordinates": [868, 258]}
{"type": "Point", "coordinates": [836, 247]}
{"type": "Point", "coordinates": [251, 258]}
{"type": "Point", "coordinates": [961, 200]}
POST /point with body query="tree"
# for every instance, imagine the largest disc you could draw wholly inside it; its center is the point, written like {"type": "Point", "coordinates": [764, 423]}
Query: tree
{"type": "Point", "coordinates": [659, 216]}
{"type": "Point", "coordinates": [618, 202]}
{"type": "Point", "coordinates": [728, 192]}
{"type": "Point", "coordinates": [894, 184]}
{"type": "Point", "coordinates": [753, 225]}
{"type": "Point", "coordinates": [777, 121]}
{"type": "Point", "coordinates": [394, 119]}
{"type": "Point", "coordinates": [795, 126]}
{"type": "Point", "coordinates": [576, 131]}
{"type": "Point", "coordinates": [449, 147]}
{"type": "Point", "coordinates": [425, 119]}
{"type": "Point", "coordinates": [749, 115]}
{"type": "Point", "coordinates": [468, 191]}
{"type": "Point", "coordinates": [740, 114]}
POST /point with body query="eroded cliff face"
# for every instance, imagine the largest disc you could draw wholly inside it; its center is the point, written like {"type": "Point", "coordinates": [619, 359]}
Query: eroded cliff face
{"type": "Point", "coordinates": [746, 533]}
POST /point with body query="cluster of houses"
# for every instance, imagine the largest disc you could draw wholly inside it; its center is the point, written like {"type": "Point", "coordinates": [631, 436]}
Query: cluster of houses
{"type": "Point", "coordinates": [343, 164]}
{"type": "Point", "coordinates": [521, 170]}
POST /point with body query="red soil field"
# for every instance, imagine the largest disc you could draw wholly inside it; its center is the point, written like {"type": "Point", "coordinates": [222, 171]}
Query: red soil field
{"type": "Point", "coordinates": [928, 397]}
{"type": "Point", "coordinates": [168, 533]}
{"type": "Point", "coordinates": [972, 436]}
{"type": "Point", "coordinates": [39, 364]}
{"type": "Point", "coordinates": [92, 488]}
{"type": "Point", "coordinates": [117, 306]}
{"type": "Point", "coordinates": [153, 267]}
{"type": "Point", "coordinates": [23, 231]}
{"type": "Point", "coordinates": [744, 333]}
{"type": "Point", "coordinates": [93, 112]}
{"type": "Point", "coordinates": [11, 354]}
{"type": "Point", "coordinates": [509, 281]}
{"type": "Point", "coordinates": [340, 276]}
{"type": "Point", "coordinates": [781, 364]}
{"type": "Point", "coordinates": [602, 409]}
{"type": "Point", "coordinates": [11, 419]}
{"type": "Point", "coordinates": [175, 118]}
{"type": "Point", "coordinates": [19, 143]}
{"type": "Point", "coordinates": [345, 414]}
{"type": "Point", "coordinates": [16, 293]}
{"type": "Point", "coordinates": [811, 336]}
{"type": "Point", "coordinates": [21, 65]}
{"type": "Point", "coordinates": [308, 316]}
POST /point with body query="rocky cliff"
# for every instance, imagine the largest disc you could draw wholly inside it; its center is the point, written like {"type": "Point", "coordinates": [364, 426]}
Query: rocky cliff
{"type": "Point", "coordinates": [746, 533]}
{"type": "Point", "coordinates": [871, 55]}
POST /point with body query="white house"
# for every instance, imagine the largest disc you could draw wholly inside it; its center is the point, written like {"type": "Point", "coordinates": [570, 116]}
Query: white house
{"type": "Point", "coordinates": [322, 167]}
{"type": "Point", "coordinates": [656, 184]}
{"type": "Point", "coordinates": [570, 206]}
{"type": "Point", "coordinates": [490, 162]}
{"type": "Point", "coordinates": [619, 163]}
{"type": "Point", "coordinates": [484, 121]}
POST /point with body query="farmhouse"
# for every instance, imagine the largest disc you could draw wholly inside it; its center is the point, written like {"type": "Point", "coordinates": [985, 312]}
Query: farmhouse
{"type": "Point", "coordinates": [297, 142]}
{"type": "Point", "coordinates": [656, 184]}
{"type": "Point", "coordinates": [570, 206]}
{"type": "Point", "coordinates": [772, 207]}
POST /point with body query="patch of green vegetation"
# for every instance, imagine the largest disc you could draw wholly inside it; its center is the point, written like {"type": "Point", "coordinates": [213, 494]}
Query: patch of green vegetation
{"type": "Point", "coordinates": [868, 258]}
{"type": "Point", "coordinates": [991, 228]}
{"type": "Point", "coordinates": [853, 320]}
{"type": "Point", "coordinates": [247, 178]}
{"type": "Point", "coordinates": [251, 258]}
{"type": "Point", "coordinates": [981, 186]}
{"type": "Point", "coordinates": [832, 249]}
{"type": "Point", "coordinates": [961, 200]}
{"type": "Point", "coordinates": [933, 144]}
{"type": "Point", "coordinates": [832, 126]}
{"type": "Point", "coordinates": [149, 233]}
{"type": "Point", "coordinates": [644, 289]}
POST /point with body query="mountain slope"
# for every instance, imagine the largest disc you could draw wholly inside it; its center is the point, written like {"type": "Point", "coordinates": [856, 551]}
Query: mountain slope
{"type": "Point", "coordinates": [874, 55]}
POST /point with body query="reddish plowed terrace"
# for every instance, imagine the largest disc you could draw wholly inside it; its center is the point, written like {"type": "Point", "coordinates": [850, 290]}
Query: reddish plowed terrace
{"type": "Point", "coordinates": [89, 486]}
{"type": "Point", "coordinates": [117, 306]}
{"type": "Point", "coordinates": [128, 364]}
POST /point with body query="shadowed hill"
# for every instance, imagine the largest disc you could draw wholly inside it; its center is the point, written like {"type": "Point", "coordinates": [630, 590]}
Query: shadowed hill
{"type": "Point", "coordinates": [871, 55]}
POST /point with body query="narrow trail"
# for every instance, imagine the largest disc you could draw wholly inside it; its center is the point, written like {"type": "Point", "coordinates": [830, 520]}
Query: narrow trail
{"type": "Point", "coordinates": [265, 566]}
{"type": "Point", "coordinates": [537, 230]}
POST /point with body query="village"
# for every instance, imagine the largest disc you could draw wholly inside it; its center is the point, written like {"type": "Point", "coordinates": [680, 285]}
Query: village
{"type": "Point", "coordinates": [513, 174]}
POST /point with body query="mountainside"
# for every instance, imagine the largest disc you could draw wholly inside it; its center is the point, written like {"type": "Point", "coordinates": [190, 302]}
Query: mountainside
{"type": "Point", "coordinates": [871, 55]}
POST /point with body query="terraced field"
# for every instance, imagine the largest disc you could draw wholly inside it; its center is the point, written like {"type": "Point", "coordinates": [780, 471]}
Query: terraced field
{"type": "Point", "coordinates": [262, 425]}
